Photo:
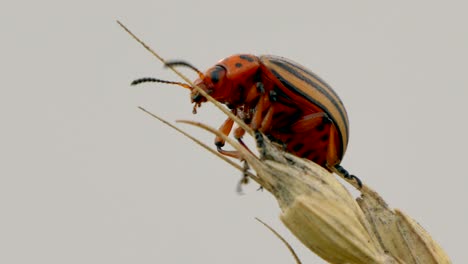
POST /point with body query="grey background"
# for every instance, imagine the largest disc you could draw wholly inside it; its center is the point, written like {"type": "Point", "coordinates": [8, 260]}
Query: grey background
{"type": "Point", "coordinates": [86, 177]}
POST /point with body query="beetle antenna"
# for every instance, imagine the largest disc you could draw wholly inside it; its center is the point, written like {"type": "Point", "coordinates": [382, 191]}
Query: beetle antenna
{"type": "Point", "coordinates": [149, 79]}
{"type": "Point", "coordinates": [184, 64]}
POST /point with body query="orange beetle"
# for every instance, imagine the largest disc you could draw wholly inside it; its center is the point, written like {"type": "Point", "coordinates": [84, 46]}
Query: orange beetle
{"type": "Point", "coordinates": [281, 99]}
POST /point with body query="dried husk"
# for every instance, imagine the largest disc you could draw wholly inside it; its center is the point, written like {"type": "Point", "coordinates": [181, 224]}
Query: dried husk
{"type": "Point", "coordinates": [398, 233]}
{"type": "Point", "coordinates": [326, 218]}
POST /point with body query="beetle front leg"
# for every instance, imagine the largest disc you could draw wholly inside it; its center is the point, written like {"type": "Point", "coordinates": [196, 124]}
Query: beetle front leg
{"type": "Point", "coordinates": [267, 120]}
{"type": "Point", "coordinates": [239, 132]}
{"type": "Point", "coordinates": [225, 128]}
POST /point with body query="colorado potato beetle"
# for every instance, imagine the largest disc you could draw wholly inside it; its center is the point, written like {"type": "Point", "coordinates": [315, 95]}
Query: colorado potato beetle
{"type": "Point", "coordinates": [279, 98]}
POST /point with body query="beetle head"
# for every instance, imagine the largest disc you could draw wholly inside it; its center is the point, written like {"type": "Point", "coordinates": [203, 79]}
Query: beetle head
{"type": "Point", "coordinates": [212, 82]}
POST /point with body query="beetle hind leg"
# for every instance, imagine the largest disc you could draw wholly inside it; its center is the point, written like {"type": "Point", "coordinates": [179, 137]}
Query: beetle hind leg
{"type": "Point", "coordinates": [337, 168]}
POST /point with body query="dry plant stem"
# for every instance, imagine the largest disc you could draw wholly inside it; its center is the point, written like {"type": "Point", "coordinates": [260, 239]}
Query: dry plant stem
{"type": "Point", "coordinates": [201, 91]}
{"type": "Point", "coordinates": [324, 216]}
{"type": "Point", "coordinates": [252, 176]}
{"type": "Point", "coordinates": [319, 211]}
{"type": "Point", "coordinates": [245, 154]}
{"type": "Point", "coordinates": [203, 145]}
{"type": "Point", "coordinates": [298, 261]}
{"type": "Point", "coordinates": [327, 219]}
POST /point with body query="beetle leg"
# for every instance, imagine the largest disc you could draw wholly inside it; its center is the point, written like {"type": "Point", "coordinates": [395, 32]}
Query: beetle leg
{"type": "Point", "coordinates": [345, 174]}
{"type": "Point", "coordinates": [258, 119]}
{"type": "Point", "coordinates": [230, 153]}
{"type": "Point", "coordinates": [332, 159]}
{"type": "Point", "coordinates": [254, 92]}
{"type": "Point", "coordinates": [334, 164]}
{"type": "Point", "coordinates": [257, 123]}
{"type": "Point", "coordinates": [309, 122]}
{"type": "Point", "coordinates": [267, 120]}
{"type": "Point", "coordinates": [238, 133]}
{"type": "Point", "coordinates": [225, 128]}
{"type": "Point", "coordinates": [315, 123]}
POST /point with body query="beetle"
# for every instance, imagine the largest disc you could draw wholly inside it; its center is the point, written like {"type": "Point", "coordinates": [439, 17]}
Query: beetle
{"type": "Point", "coordinates": [280, 98]}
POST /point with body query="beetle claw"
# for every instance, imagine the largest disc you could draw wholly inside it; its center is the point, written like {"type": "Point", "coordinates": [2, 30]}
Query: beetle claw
{"type": "Point", "coordinates": [340, 170]}
{"type": "Point", "coordinates": [358, 181]}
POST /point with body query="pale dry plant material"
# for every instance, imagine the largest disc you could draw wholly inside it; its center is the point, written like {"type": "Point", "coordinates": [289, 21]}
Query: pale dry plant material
{"type": "Point", "coordinates": [322, 213]}
{"type": "Point", "coordinates": [325, 217]}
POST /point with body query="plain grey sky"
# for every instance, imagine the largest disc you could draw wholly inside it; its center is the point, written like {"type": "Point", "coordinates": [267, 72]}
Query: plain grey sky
{"type": "Point", "coordinates": [86, 177]}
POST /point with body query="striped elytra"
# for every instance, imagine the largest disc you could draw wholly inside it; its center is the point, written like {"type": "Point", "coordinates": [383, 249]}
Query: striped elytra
{"type": "Point", "coordinates": [313, 97]}
{"type": "Point", "coordinates": [280, 98]}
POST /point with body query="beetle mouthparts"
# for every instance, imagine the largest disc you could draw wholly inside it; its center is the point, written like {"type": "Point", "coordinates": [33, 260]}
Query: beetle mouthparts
{"type": "Point", "coordinates": [195, 106]}
{"type": "Point", "coordinates": [196, 96]}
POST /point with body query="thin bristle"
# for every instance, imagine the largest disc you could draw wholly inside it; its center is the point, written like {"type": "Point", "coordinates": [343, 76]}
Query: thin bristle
{"type": "Point", "coordinates": [190, 85]}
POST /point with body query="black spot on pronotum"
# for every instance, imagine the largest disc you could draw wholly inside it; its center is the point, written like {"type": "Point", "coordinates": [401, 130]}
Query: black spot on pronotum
{"type": "Point", "coordinates": [247, 58]}
{"type": "Point", "coordinates": [238, 65]}
{"type": "Point", "coordinates": [297, 147]}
